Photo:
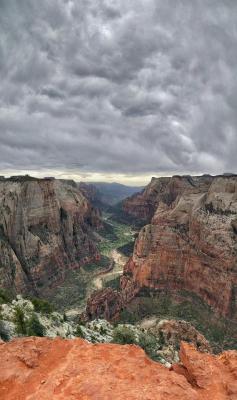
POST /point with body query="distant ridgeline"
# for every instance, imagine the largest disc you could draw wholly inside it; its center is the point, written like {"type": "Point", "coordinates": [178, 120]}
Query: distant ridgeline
{"type": "Point", "coordinates": [107, 194]}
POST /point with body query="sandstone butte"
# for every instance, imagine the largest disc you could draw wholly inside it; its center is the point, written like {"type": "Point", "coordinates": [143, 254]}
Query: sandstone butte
{"type": "Point", "coordinates": [190, 242]}
{"type": "Point", "coordinates": [54, 369]}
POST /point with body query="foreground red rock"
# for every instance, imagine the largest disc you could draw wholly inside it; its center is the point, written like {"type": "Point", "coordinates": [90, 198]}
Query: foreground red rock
{"type": "Point", "coordinates": [43, 369]}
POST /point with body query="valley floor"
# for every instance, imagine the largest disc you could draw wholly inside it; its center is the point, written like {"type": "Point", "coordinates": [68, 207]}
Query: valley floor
{"type": "Point", "coordinates": [79, 285]}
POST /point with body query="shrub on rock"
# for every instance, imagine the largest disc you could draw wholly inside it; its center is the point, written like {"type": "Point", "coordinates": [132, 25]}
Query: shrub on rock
{"type": "Point", "coordinates": [124, 335]}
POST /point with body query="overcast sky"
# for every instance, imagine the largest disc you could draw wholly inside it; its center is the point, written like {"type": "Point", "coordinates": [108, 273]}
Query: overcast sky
{"type": "Point", "coordinates": [118, 90]}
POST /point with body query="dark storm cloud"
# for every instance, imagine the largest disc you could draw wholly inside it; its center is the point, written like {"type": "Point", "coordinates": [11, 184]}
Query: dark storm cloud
{"type": "Point", "coordinates": [126, 86]}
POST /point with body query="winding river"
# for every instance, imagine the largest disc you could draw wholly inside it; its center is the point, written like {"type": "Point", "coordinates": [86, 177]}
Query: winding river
{"type": "Point", "coordinates": [119, 262]}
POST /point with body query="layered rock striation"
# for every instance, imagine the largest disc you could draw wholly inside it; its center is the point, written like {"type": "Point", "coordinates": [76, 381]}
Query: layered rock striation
{"type": "Point", "coordinates": [190, 243]}
{"type": "Point", "coordinates": [142, 206]}
{"type": "Point", "coordinates": [46, 227]}
{"type": "Point", "coordinates": [40, 368]}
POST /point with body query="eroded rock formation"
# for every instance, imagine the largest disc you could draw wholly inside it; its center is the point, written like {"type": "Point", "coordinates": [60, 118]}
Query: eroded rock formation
{"type": "Point", "coordinates": [174, 332]}
{"type": "Point", "coordinates": [40, 368]}
{"type": "Point", "coordinates": [105, 303]}
{"type": "Point", "coordinates": [190, 244]}
{"type": "Point", "coordinates": [45, 228]}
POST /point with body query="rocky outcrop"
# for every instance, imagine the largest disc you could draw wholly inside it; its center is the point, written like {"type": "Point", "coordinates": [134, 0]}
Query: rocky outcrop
{"type": "Point", "coordinates": [173, 332]}
{"type": "Point", "coordinates": [46, 227]}
{"type": "Point", "coordinates": [40, 368]}
{"type": "Point", "coordinates": [190, 244]}
{"type": "Point", "coordinates": [210, 378]}
{"type": "Point", "coordinates": [105, 303]}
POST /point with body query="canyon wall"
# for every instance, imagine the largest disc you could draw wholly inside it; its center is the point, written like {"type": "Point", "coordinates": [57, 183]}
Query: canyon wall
{"type": "Point", "coordinates": [142, 206]}
{"type": "Point", "coordinates": [45, 369]}
{"type": "Point", "coordinates": [46, 227]}
{"type": "Point", "coordinates": [190, 243]}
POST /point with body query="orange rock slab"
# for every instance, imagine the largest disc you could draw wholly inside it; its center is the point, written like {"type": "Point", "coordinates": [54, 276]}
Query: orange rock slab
{"type": "Point", "coordinates": [47, 369]}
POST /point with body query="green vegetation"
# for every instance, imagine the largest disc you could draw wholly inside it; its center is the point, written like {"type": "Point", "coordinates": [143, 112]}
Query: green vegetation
{"type": "Point", "coordinates": [20, 321]}
{"type": "Point", "coordinates": [127, 249]}
{"type": "Point", "coordinates": [212, 210]}
{"type": "Point", "coordinates": [124, 335]}
{"type": "Point", "coordinates": [103, 330]}
{"type": "Point", "coordinates": [115, 235]}
{"type": "Point", "coordinates": [42, 306]}
{"type": "Point", "coordinates": [113, 283]}
{"type": "Point", "coordinates": [30, 327]}
{"type": "Point", "coordinates": [34, 327]}
{"type": "Point", "coordinates": [79, 332]}
{"type": "Point", "coordinates": [6, 296]}
{"type": "Point", "coordinates": [129, 317]}
{"type": "Point", "coordinates": [3, 237]}
{"type": "Point", "coordinates": [149, 344]}
{"type": "Point", "coordinates": [76, 286]}
{"type": "Point", "coordinates": [3, 331]}
{"type": "Point", "coordinates": [101, 264]}
{"type": "Point", "coordinates": [108, 232]}
{"type": "Point", "coordinates": [220, 332]}
{"type": "Point", "coordinates": [72, 292]}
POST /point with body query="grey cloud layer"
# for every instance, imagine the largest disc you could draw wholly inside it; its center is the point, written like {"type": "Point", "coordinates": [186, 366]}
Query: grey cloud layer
{"type": "Point", "coordinates": [126, 86]}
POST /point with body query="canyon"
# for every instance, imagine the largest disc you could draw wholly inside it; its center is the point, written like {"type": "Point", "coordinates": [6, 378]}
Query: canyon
{"type": "Point", "coordinates": [46, 228]}
{"type": "Point", "coordinates": [189, 242]}
{"type": "Point", "coordinates": [187, 247]}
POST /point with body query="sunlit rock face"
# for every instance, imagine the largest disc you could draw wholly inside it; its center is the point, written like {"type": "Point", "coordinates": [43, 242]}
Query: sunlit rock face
{"type": "Point", "coordinates": [46, 227]}
{"type": "Point", "coordinates": [190, 244]}
{"type": "Point", "coordinates": [40, 368]}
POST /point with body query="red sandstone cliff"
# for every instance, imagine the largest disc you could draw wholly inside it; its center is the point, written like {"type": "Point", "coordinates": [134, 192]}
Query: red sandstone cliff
{"type": "Point", "coordinates": [142, 206]}
{"type": "Point", "coordinates": [40, 368]}
{"type": "Point", "coordinates": [190, 244]}
{"type": "Point", "coordinates": [45, 228]}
